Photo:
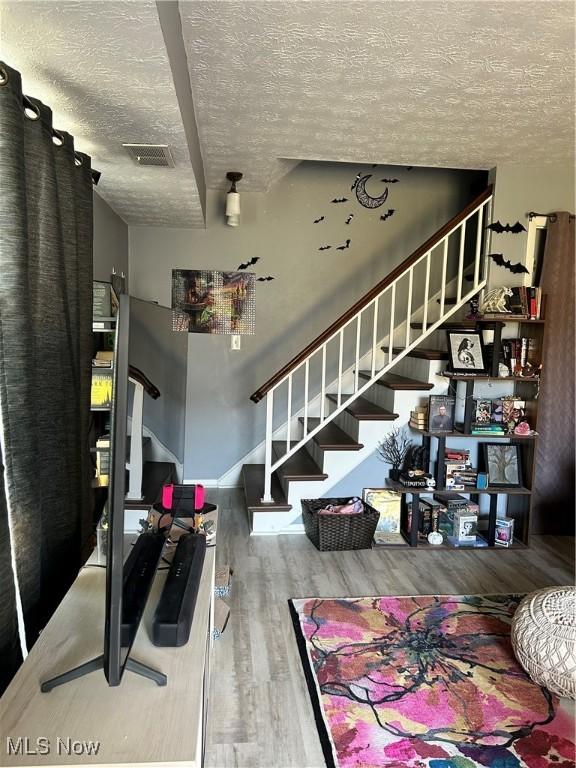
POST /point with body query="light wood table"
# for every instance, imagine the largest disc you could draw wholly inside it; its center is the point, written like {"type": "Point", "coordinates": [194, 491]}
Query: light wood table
{"type": "Point", "coordinates": [136, 723]}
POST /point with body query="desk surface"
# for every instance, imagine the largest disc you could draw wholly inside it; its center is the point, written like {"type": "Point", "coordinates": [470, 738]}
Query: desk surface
{"type": "Point", "coordinates": [135, 723]}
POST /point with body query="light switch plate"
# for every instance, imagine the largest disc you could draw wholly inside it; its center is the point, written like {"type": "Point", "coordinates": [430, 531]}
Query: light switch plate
{"type": "Point", "coordinates": [235, 343]}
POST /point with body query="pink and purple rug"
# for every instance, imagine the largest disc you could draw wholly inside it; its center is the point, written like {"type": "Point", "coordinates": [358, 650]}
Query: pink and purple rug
{"type": "Point", "coordinates": [426, 682]}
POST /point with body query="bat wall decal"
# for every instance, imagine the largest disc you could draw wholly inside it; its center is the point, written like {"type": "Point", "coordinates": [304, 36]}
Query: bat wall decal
{"type": "Point", "coordinates": [246, 264]}
{"type": "Point", "coordinates": [517, 268]}
{"type": "Point", "coordinates": [339, 200]}
{"type": "Point", "coordinates": [324, 247]}
{"type": "Point", "coordinates": [513, 228]}
{"type": "Point", "coordinates": [264, 279]}
{"type": "Point", "coordinates": [317, 221]}
{"type": "Point", "coordinates": [349, 219]}
{"type": "Point", "coordinates": [389, 181]}
{"type": "Point", "coordinates": [387, 215]}
{"type": "Point", "coordinates": [343, 247]}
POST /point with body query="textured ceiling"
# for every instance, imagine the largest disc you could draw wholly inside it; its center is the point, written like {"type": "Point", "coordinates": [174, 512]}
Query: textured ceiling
{"type": "Point", "coordinates": [452, 84]}
{"type": "Point", "coordinates": [103, 69]}
{"type": "Point", "coordinates": [406, 82]}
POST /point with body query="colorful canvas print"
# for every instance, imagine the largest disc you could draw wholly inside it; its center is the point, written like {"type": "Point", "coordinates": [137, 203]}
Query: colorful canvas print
{"type": "Point", "coordinates": [209, 301]}
{"type": "Point", "coordinates": [426, 682]}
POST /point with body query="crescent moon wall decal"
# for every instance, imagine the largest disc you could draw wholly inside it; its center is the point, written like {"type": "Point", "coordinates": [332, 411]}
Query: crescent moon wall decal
{"type": "Point", "coordinates": [364, 198]}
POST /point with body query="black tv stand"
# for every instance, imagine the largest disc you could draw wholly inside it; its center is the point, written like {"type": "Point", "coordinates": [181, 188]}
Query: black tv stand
{"type": "Point", "coordinates": [98, 663]}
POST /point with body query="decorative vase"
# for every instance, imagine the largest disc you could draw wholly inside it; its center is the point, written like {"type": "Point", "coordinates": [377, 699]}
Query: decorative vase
{"type": "Point", "coordinates": [394, 474]}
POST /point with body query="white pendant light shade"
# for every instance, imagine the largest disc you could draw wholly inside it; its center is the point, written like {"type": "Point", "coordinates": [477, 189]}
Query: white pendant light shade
{"type": "Point", "coordinates": [233, 200]}
{"type": "Point", "coordinates": [233, 204]}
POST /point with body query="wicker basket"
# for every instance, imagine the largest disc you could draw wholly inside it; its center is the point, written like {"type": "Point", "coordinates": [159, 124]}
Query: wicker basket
{"type": "Point", "coordinates": [337, 532]}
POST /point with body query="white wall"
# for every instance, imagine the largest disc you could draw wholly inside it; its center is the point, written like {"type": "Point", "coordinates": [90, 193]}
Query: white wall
{"type": "Point", "coordinates": [311, 287]}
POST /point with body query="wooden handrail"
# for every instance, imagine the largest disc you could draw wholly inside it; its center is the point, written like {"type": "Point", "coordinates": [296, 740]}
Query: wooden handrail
{"type": "Point", "coordinates": [432, 242]}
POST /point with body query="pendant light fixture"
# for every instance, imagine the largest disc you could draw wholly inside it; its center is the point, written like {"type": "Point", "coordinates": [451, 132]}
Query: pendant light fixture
{"type": "Point", "coordinates": [233, 200]}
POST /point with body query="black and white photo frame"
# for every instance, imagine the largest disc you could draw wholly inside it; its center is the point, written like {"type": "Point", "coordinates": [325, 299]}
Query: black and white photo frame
{"type": "Point", "coordinates": [467, 354]}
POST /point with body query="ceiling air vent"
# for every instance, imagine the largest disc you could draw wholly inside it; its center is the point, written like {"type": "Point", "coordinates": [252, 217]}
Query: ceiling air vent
{"type": "Point", "coordinates": [158, 155]}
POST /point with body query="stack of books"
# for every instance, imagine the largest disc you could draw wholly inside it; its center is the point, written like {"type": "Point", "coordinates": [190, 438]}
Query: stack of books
{"type": "Point", "coordinates": [517, 353]}
{"type": "Point", "coordinates": [488, 430]}
{"type": "Point", "coordinates": [414, 481]}
{"type": "Point", "coordinates": [419, 418]}
{"type": "Point", "coordinates": [459, 472]}
{"type": "Point", "coordinates": [103, 359]}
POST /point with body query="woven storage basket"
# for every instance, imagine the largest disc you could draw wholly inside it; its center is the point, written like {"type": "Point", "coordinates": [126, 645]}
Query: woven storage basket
{"type": "Point", "coordinates": [338, 532]}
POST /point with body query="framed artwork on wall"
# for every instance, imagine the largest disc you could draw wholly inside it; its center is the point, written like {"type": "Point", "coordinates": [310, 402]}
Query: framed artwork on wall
{"type": "Point", "coordinates": [502, 462]}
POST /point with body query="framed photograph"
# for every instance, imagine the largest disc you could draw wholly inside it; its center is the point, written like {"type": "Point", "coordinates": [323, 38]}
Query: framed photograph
{"type": "Point", "coordinates": [441, 413]}
{"type": "Point", "coordinates": [466, 350]}
{"type": "Point", "coordinates": [502, 462]}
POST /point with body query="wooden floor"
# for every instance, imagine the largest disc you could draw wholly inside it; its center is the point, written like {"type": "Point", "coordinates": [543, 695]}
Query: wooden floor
{"type": "Point", "coordinates": [260, 714]}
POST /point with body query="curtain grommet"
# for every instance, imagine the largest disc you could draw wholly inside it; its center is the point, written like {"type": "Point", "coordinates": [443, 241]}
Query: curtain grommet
{"type": "Point", "coordinates": [4, 77]}
{"type": "Point", "coordinates": [31, 110]}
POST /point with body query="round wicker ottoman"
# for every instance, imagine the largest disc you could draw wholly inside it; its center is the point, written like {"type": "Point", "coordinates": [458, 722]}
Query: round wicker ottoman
{"type": "Point", "coordinates": [544, 638]}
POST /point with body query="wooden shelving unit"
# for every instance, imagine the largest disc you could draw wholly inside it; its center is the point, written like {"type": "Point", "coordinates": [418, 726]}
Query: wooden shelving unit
{"type": "Point", "coordinates": [518, 499]}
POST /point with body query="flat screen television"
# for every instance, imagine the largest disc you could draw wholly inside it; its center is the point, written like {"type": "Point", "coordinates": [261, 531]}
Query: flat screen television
{"type": "Point", "coordinates": [144, 342]}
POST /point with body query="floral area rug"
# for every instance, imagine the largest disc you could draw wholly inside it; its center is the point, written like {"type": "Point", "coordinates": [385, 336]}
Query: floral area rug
{"type": "Point", "coordinates": [426, 682]}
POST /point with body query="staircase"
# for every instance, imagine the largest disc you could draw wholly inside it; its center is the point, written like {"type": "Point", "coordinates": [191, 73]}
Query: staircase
{"type": "Point", "coordinates": [328, 408]}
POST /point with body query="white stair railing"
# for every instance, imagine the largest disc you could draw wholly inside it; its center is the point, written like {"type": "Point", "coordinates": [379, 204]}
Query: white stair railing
{"type": "Point", "coordinates": [403, 285]}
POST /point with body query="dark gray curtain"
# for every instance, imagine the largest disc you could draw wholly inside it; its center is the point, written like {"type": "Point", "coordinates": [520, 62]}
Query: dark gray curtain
{"type": "Point", "coordinates": [553, 501]}
{"type": "Point", "coordinates": [45, 354]}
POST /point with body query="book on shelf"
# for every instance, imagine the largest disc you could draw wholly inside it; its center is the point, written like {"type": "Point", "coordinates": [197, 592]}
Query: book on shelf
{"type": "Point", "coordinates": [478, 542]}
{"type": "Point", "coordinates": [103, 359]}
{"type": "Point", "coordinates": [388, 504]}
{"type": "Point", "coordinates": [457, 454]}
{"type": "Point", "coordinates": [101, 306]}
{"type": "Point", "coordinates": [382, 538]}
{"type": "Point", "coordinates": [504, 536]}
{"type": "Point", "coordinates": [418, 481]}
{"type": "Point", "coordinates": [103, 460]}
{"type": "Point", "coordinates": [451, 500]}
{"type": "Point", "coordinates": [101, 389]}
{"type": "Point", "coordinates": [430, 511]}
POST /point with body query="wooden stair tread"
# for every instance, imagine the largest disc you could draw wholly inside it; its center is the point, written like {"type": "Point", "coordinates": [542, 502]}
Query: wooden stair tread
{"type": "Point", "coordinates": [393, 381]}
{"type": "Point", "coordinates": [421, 353]}
{"type": "Point", "coordinates": [253, 480]}
{"type": "Point", "coordinates": [331, 437]}
{"type": "Point", "coordinates": [364, 410]}
{"type": "Point", "coordinates": [300, 466]}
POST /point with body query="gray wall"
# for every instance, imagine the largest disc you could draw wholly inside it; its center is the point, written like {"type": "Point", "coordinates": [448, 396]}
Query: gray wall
{"type": "Point", "coordinates": [311, 287]}
{"type": "Point", "coordinates": [110, 241]}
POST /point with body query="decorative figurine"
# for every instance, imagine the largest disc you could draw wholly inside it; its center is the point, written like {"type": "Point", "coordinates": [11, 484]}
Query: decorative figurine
{"type": "Point", "coordinates": [495, 301]}
{"type": "Point", "coordinates": [474, 305]}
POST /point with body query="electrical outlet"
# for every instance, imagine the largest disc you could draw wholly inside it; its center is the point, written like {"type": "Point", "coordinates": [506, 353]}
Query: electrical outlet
{"type": "Point", "coordinates": [235, 343]}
